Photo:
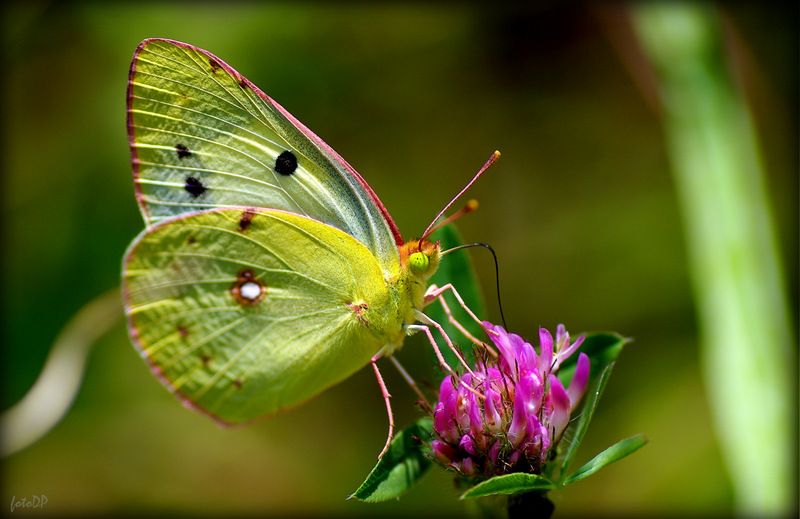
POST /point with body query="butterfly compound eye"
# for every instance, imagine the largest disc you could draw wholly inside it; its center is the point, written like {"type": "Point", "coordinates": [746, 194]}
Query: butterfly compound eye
{"type": "Point", "coordinates": [419, 262]}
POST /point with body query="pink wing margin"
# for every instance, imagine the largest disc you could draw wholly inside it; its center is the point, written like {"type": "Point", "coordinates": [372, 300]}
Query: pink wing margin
{"type": "Point", "coordinates": [318, 143]}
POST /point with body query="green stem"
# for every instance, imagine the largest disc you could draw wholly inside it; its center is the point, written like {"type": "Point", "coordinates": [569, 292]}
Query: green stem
{"type": "Point", "coordinates": [532, 505]}
{"type": "Point", "coordinates": [51, 396]}
{"type": "Point", "coordinates": [746, 347]}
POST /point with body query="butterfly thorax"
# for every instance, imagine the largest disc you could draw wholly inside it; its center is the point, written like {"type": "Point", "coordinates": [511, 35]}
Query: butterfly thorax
{"type": "Point", "coordinates": [387, 311]}
{"type": "Point", "coordinates": [418, 262]}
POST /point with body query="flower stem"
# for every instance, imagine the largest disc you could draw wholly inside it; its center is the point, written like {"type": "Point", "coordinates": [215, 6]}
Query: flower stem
{"type": "Point", "coordinates": [531, 505]}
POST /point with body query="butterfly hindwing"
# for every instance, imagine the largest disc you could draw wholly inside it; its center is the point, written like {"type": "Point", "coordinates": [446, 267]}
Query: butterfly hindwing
{"type": "Point", "coordinates": [245, 312]}
{"type": "Point", "coordinates": [202, 136]}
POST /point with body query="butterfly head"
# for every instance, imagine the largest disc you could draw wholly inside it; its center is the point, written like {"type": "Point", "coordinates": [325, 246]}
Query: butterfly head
{"type": "Point", "coordinates": [420, 257]}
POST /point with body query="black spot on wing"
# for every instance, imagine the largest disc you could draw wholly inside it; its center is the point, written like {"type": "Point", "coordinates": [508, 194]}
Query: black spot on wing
{"type": "Point", "coordinates": [182, 151]}
{"type": "Point", "coordinates": [286, 163]}
{"type": "Point", "coordinates": [194, 187]}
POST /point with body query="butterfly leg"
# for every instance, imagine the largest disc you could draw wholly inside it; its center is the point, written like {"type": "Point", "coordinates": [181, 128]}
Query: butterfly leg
{"type": "Point", "coordinates": [435, 293]}
{"type": "Point", "coordinates": [386, 397]}
{"type": "Point", "coordinates": [430, 322]}
{"type": "Point", "coordinates": [427, 329]}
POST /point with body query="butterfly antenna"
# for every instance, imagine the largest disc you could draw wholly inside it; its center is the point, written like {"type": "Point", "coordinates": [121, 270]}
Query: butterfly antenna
{"type": "Point", "coordinates": [470, 206]}
{"type": "Point", "coordinates": [496, 273]}
{"type": "Point", "coordinates": [432, 227]}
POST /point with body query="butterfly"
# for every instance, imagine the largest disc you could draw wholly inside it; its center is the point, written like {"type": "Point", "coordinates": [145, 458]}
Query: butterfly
{"type": "Point", "coordinates": [268, 270]}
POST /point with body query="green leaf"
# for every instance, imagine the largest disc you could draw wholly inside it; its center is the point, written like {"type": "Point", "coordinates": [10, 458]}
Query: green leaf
{"type": "Point", "coordinates": [456, 268]}
{"type": "Point", "coordinates": [402, 465]}
{"type": "Point", "coordinates": [616, 452]}
{"type": "Point", "coordinates": [601, 348]}
{"type": "Point", "coordinates": [593, 393]}
{"type": "Point", "coordinates": [516, 483]}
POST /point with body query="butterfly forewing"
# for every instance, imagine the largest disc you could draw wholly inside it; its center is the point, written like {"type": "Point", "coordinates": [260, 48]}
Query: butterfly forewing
{"type": "Point", "coordinates": [203, 137]}
{"type": "Point", "coordinates": [244, 313]}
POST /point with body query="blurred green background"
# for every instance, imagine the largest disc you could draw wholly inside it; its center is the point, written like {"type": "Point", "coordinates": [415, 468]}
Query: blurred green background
{"type": "Point", "coordinates": [581, 209]}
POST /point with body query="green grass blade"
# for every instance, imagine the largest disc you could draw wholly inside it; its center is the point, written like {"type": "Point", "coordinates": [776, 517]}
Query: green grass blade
{"type": "Point", "coordinates": [747, 347]}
